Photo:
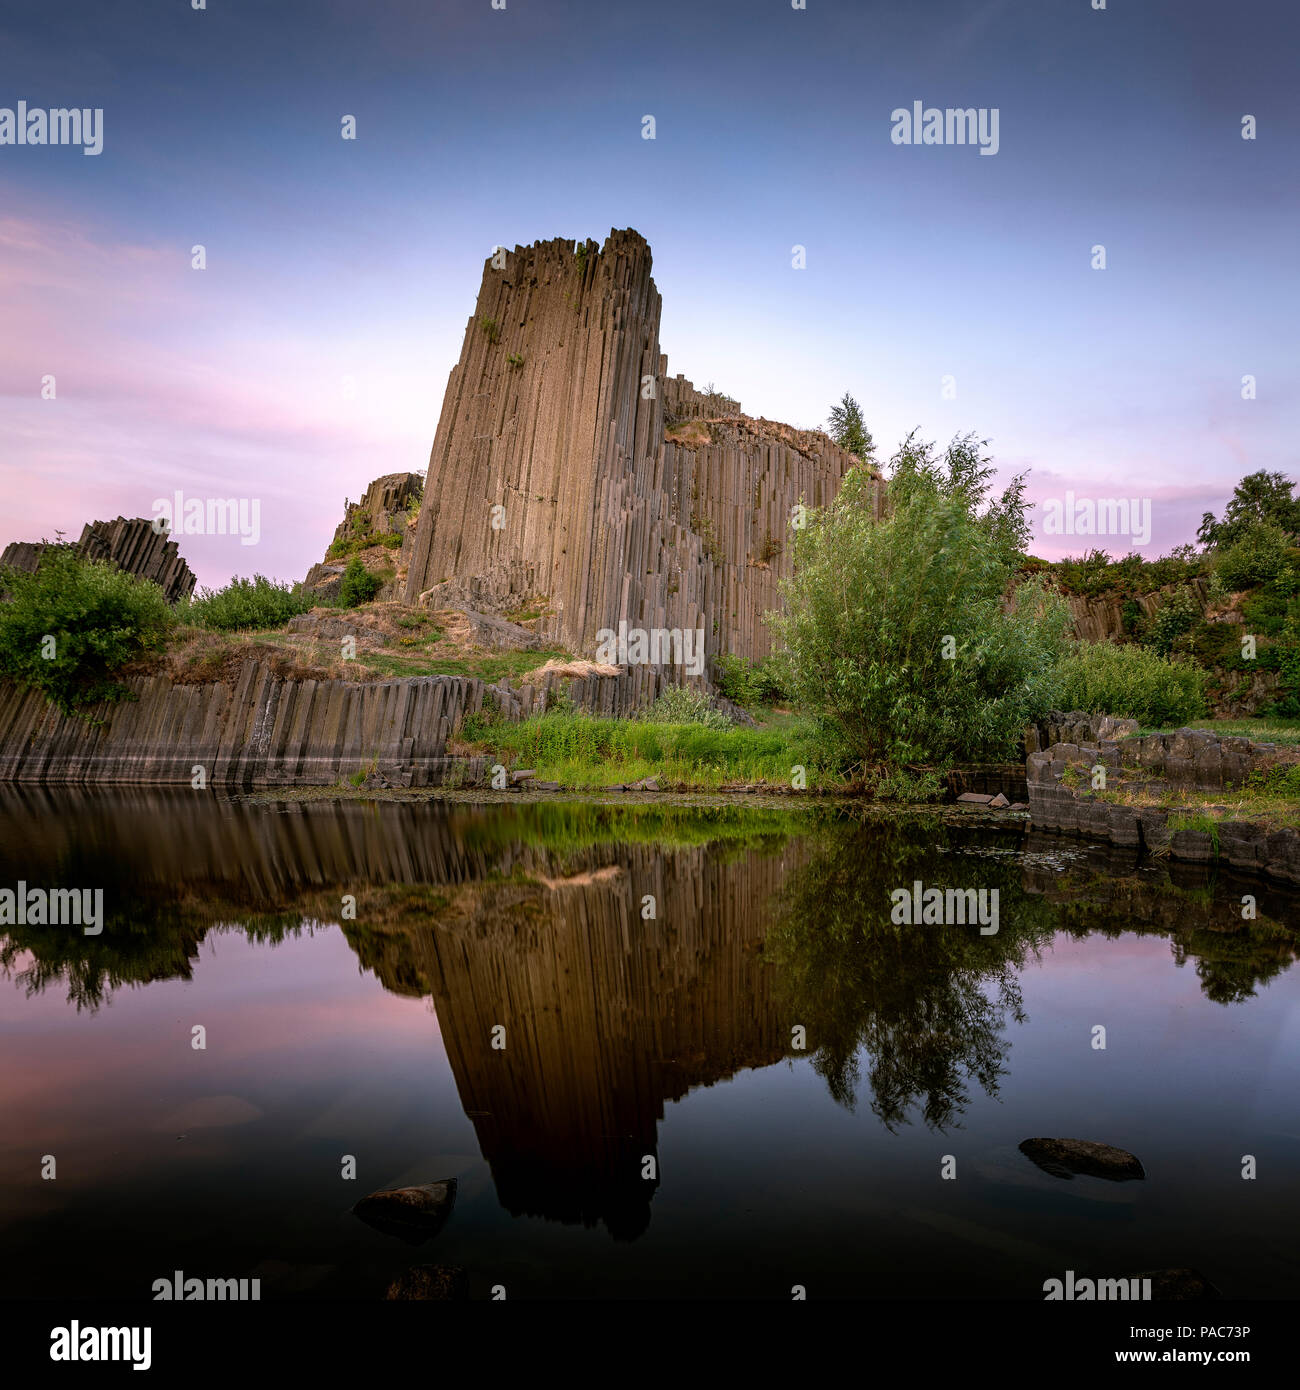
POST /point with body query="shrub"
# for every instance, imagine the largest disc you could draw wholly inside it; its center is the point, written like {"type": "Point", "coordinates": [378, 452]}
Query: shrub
{"type": "Point", "coordinates": [679, 704]}
{"type": "Point", "coordinates": [1260, 555]}
{"type": "Point", "coordinates": [896, 631]}
{"type": "Point", "coordinates": [359, 585]}
{"type": "Point", "coordinates": [244, 603]}
{"type": "Point", "coordinates": [749, 683]}
{"type": "Point", "coordinates": [1172, 622]}
{"type": "Point", "coordinates": [1132, 683]}
{"type": "Point", "coordinates": [98, 617]}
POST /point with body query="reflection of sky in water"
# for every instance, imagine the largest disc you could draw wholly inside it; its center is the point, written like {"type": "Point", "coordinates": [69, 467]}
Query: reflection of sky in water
{"type": "Point", "coordinates": [225, 1162]}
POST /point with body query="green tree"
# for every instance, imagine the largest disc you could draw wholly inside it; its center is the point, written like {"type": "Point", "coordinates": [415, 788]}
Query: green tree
{"type": "Point", "coordinates": [70, 626]}
{"type": "Point", "coordinates": [1261, 498]}
{"type": "Point", "coordinates": [848, 429]}
{"type": "Point", "coordinates": [359, 585]}
{"type": "Point", "coordinates": [907, 638]}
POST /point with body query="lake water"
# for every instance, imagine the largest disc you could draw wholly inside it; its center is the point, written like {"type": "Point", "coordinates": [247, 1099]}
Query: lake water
{"type": "Point", "coordinates": [651, 1126]}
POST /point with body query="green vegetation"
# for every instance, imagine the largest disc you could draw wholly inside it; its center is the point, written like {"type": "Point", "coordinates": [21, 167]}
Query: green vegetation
{"type": "Point", "coordinates": [359, 584]}
{"type": "Point", "coordinates": [681, 705]}
{"type": "Point", "coordinates": [848, 429]}
{"type": "Point", "coordinates": [1132, 683]}
{"type": "Point", "coordinates": [246, 603]}
{"type": "Point", "coordinates": [750, 684]}
{"type": "Point", "coordinates": [1096, 573]}
{"type": "Point", "coordinates": [491, 329]}
{"type": "Point", "coordinates": [69, 628]}
{"type": "Point", "coordinates": [896, 634]}
{"type": "Point", "coordinates": [580, 751]}
{"type": "Point", "coordinates": [514, 359]}
{"type": "Point", "coordinates": [485, 666]}
{"type": "Point", "coordinates": [1261, 729]}
{"type": "Point", "coordinates": [1259, 499]}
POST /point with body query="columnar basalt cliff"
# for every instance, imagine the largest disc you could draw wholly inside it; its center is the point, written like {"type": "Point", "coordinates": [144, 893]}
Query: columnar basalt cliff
{"type": "Point", "coordinates": [131, 544]}
{"type": "Point", "coordinates": [569, 470]}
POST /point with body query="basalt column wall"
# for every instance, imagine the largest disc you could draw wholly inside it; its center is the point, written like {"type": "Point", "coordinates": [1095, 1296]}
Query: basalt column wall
{"type": "Point", "coordinates": [552, 485]}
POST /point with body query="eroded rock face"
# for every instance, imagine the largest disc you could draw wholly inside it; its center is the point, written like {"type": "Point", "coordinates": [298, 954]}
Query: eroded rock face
{"type": "Point", "coordinates": [413, 1214]}
{"type": "Point", "coordinates": [620, 493]}
{"type": "Point", "coordinates": [130, 543]}
{"type": "Point", "coordinates": [1066, 1158]}
{"type": "Point", "coordinates": [484, 630]}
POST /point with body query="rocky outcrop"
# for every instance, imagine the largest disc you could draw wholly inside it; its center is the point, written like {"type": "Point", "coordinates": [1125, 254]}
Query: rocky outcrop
{"type": "Point", "coordinates": [378, 528]}
{"type": "Point", "coordinates": [1063, 798]}
{"type": "Point", "coordinates": [571, 472]}
{"type": "Point", "coordinates": [263, 730]}
{"type": "Point", "coordinates": [132, 545]}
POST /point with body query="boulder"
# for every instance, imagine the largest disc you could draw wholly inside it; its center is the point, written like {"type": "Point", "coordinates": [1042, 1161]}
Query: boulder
{"type": "Point", "coordinates": [1064, 1158]}
{"type": "Point", "coordinates": [472, 629]}
{"type": "Point", "coordinates": [413, 1214]}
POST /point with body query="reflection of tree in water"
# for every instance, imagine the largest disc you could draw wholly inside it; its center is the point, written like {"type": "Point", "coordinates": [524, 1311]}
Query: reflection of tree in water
{"type": "Point", "coordinates": [155, 942]}
{"type": "Point", "coordinates": [928, 1004]}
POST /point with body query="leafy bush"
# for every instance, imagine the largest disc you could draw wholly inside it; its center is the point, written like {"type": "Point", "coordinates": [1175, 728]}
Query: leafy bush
{"type": "Point", "coordinates": [245, 603]}
{"type": "Point", "coordinates": [359, 585]}
{"type": "Point", "coordinates": [67, 628]}
{"type": "Point", "coordinates": [1260, 555]}
{"type": "Point", "coordinates": [749, 683]}
{"type": "Point", "coordinates": [896, 631]}
{"type": "Point", "coordinates": [1132, 683]}
{"type": "Point", "coordinates": [679, 704]}
{"type": "Point", "coordinates": [1172, 623]}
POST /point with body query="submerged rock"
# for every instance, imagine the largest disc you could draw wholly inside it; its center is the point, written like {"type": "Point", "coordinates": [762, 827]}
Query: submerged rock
{"type": "Point", "coordinates": [414, 1214]}
{"type": "Point", "coordinates": [430, 1283]}
{"type": "Point", "coordinates": [1063, 1158]}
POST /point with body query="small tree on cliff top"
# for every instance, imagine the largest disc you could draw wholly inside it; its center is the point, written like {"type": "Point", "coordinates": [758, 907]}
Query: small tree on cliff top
{"type": "Point", "coordinates": [904, 636]}
{"type": "Point", "coordinates": [848, 429]}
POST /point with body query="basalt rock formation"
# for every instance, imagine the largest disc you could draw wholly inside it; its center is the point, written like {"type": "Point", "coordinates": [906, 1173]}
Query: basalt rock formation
{"type": "Point", "coordinates": [572, 475]}
{"type": "Point", "coordinates": [377, 529]}
{"type": "Point", "coordinates": [132, 545]}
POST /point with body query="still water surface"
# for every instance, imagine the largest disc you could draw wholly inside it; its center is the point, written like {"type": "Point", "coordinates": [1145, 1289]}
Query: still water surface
{"type": "Point", "coordinates": [630, 1038]}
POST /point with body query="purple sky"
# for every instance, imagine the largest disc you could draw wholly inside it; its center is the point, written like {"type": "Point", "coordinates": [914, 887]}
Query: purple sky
{"type": "Point", "coordinates": [311, 355]}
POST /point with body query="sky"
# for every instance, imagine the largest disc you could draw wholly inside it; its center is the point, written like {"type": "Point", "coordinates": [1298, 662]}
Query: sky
{"type": "Point", "coordinates": [311, 353]}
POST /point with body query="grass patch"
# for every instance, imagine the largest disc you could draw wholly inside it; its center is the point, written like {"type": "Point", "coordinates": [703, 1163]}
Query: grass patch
{"type": "Point", "coordinates": [581, 751]}
{"type": "Point", "coordinates": [1261, 728]}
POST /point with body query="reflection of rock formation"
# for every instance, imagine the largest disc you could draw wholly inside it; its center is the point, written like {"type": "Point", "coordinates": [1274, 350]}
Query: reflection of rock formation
{"type": "Point", "coordinates": [530, 916]}
{"type": "Point", "coordinates": [607, 1016]}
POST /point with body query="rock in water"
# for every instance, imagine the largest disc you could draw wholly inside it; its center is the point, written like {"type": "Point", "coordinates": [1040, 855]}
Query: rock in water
{"type": "Point", "coordinates": [414, 1214]}
{"type": "Point", "coordinates": [1063, 1158]}
{"type": "Point", "coordinates": [430, 1283]}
